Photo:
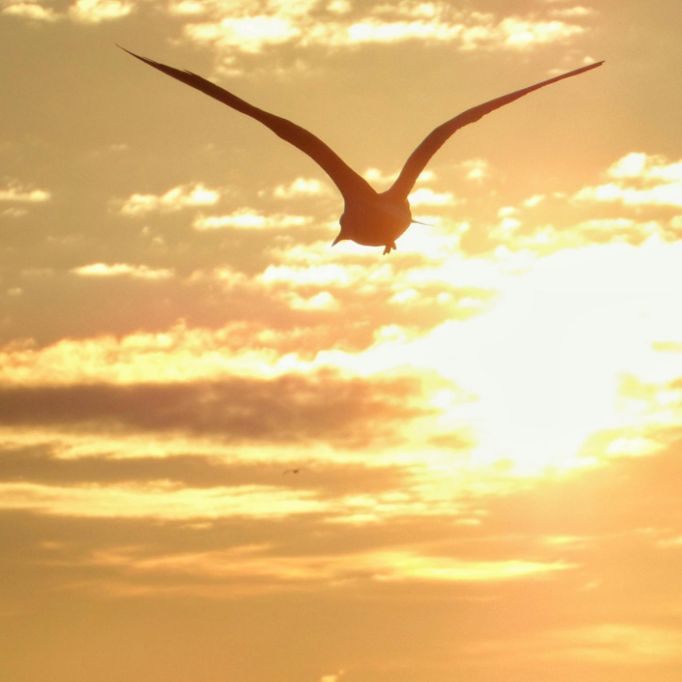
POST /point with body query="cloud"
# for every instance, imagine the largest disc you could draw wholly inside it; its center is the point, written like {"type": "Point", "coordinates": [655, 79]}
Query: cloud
{"type": "Point", "coordinates": [247, 34]}
{"type": "Point", "coordinates": [186, 7]}
{"type": "Point", "coordinates": [30, 10]}
{"type": "Point", "coordinates": [401, 566]}
{"type": "Point", "coordinates": [639, 180]}
{"type": "Point", "coordinates": [158, 500]}
{"type": "Point", "coordinates": [249, 219]}
{"type": "Point", "coordinates": [259, 27]}
{"type": "Point", "coordinates": [476, 32]}
{"type": "Point", "coordinates": [301, 187]}
{"type": "Point", "coordinates": [175, 199]}
{"type": "Point", "coordinates": [625, 644]}
{"type": "Point", "coordinates": [339, 6]}
{"type": "Point", "coordinates": [15, 192]}
{"type": "Point", "coordinates": [97, 11]}
{"type": "Point", "coordinates": [322, 300]}
{"type": "Point", "coordinates": [476, 169]}
{"type": "Point", "coordinates": [178, 353]}
{"type": "Point", "coordinates": [104, 270]}
{"type": "Point", "coordinates": [272, 568]}
{"type": "Point", "coordinates": [50, 463]}
{"type": "Point", "coordinates": [622, 643]}
{"type": "Point", "coordinates": [572, 12]}
{"type": "Point", "coordinates": [428, 197]}
{"type": "Point", "coordinates": [285, 409]}
{"type": "Point", "coordinates": [332, 677]}
{"type": "Point", "coordinates": [322, 275]}
{"type": "Point", "coordinates": [79, 11]}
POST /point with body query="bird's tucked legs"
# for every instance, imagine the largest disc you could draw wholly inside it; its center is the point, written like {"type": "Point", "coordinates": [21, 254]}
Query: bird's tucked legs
{"type": "Point", "coordinates": [389, 247]}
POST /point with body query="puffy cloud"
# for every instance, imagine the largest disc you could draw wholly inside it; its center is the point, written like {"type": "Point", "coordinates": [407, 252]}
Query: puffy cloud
{"type": "Point", "coordinates": [15, 192]}
{"type": "Point", "coordinates": [97, 11]}
{"type": "Point", "coordinates": [474, 32]}
{"type": "Point", "coordinates": [476, 169]}
{"type": "Point", "coordinates": [175, 199]}
{"type": "Point", "coordinates": [428, 197]}
{"type": "Point", "coordinates": [80, 11]}
{"type": "Point", "coordinates": [29, 10]}
{"type": "Point", "coordinates": [322, 300]}
{"type": "Point", "coordinates": [301, 187]}
{"type": "Point", "coordinates": [248, 33]}
{"type": "Point", "coordinates": [322, 275]}
{"type": "Point", "coordinates": [257, 27]}
{"type": "Point", "coordinates": [339, 6]}
{"type": "Point", "coordinates": [639, 179]}
{"type": "Point", "coordinates": [186, 7]}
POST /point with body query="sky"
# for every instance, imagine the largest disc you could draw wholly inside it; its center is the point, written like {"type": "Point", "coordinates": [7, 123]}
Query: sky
{"type": "Point", "coordinates": [232, 453]}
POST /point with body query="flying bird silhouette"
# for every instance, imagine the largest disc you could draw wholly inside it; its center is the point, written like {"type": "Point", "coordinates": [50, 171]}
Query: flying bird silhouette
{"type": "Point", "coordinates": [369, 217]}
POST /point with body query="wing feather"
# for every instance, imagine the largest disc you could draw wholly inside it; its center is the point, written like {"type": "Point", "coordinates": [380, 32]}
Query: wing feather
{"type": "Point", "coordinates": [417, 161]}
{"type": "Point", "coordinates": [344, 177]}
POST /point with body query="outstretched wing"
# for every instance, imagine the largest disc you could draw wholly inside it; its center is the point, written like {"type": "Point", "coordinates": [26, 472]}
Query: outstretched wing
{"type": "Point", "coordinates": [434, 140]}
{"type": "Point", "coordinates": [344, 177]}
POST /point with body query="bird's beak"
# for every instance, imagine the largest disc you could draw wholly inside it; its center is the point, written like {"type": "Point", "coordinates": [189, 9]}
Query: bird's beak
{"type": "Point", "coordinates": [339, 237]}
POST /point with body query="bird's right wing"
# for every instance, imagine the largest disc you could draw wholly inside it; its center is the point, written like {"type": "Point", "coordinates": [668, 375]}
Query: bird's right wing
{"type": "Point", "coordinates": [344, 177]}
{"type": "Point", "coordinates": [436, 138]}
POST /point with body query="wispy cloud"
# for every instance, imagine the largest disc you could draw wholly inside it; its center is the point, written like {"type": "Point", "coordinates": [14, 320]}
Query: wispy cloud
{"type": "Point", "coordinates": [287, 409]}
{"type": "Point", "coordinates": [248, 562]}
{"type": "Point", "coordinates": [332, 677]}
{"type": "Point", "coordinates": [157, 500]}
{"type": "Point", "coordinates": [106, 270]}
{"type": "Point", "coordinates": [577, 11]}
{"type": "Point", "coordinates": [249, 219]}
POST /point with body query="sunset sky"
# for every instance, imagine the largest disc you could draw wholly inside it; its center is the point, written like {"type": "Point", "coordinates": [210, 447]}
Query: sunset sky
{"type": "Point", "coordinates": [485, 425]}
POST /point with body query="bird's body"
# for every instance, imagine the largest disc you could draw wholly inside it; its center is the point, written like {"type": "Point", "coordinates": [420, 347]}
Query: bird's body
{"type": "Point", "coordinates": [369, 217]}
{"type": "Point", "coordinates": [376, 220]}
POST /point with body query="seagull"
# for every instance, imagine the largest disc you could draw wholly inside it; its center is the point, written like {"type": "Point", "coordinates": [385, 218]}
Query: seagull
{"type": "Point", "coordinates": [369, 217]}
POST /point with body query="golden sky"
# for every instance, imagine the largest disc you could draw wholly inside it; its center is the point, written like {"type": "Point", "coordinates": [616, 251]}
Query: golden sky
{"type": "Point", "coordinates": [486, 424]}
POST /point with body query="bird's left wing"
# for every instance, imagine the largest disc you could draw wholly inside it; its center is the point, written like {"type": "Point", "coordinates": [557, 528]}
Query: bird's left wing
{"type": "Point", "coordinates": [344, 177]}
{"type": "Point", "coordinates": [436, 138]}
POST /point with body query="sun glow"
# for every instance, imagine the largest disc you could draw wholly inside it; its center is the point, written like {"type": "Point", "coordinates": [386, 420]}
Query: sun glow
{"type": "Point", "coordinates": [547, 367]}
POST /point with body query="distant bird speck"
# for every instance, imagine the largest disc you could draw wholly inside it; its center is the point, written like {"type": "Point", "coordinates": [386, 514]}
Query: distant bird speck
{"type": "Point", "coordinates": [291, 471]}
{"type": "Point", "coordinates": [369, 217]}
